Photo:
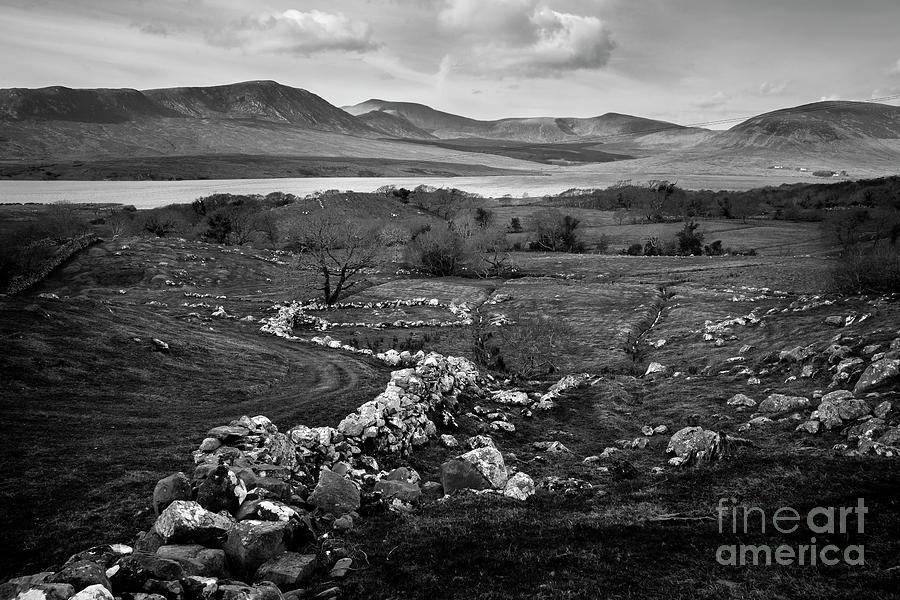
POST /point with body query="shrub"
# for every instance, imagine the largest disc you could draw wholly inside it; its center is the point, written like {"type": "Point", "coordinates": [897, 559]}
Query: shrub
{"type": "Point", "coordinates": [556, 232]}
{"type": "Point", "coordinates": [439, 252]}
{"type": "Point", "coordinates": [689, 240]}
{"type": "Point", "coordinates": [525, 349]}
{"type": "Point", "coordinates": [868, 270]}
{"type": "Point", "coordinates": [636, 249]}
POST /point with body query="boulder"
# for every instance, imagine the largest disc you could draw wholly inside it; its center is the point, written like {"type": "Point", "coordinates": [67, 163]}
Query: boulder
{"type": "Point", "coordinates": [809, 427]}
{"type": "Point", "coordinates": [188, 522]}
{"type": "Point", "coordinates": [880, 373]}
{"type": "Point", "coordinates": [853, 408]}
{"type": "Point", "coordinates": [81, 574]}
{"type": "Point", "coordinates": [883, 408]}
{"type": "Point", "coordinates": [448, 441]}
{"type": "Point", "coordinates": [741, 400]}
{"type": "Point", "coordinates": [168, 489]}
{"type": "Point", "coordinates": [776, 403]}
{"type": "Point", "coordinates": [238, 591]}
{"type": "Point", "coordinates": [138, 568]}
{"type": "Point", "coordinates": [402, 490]}
{"type": "Point", "coordinates": [797, 354]}
{"type": "Point", "coordinates": [221, 490]}
{"type": "Point", "coordinates": [490, 463]}
{"type": "Point", "coordinates": [105, 555]}
{"type": "Point", "coordinates": [16, 589]}
{"type": "Point", "coordinates": [195, 559]}
{"type": "Point", "coordinates": [335, 494]}
{"type": "Point", "coordinates": [458, 474]}
{"type": "Point", "coordinates": [695, 445]}
{"type": "Point", "coordinates": [199, 588]}
{"type": "Point", "coordinates": [228, 433]}
{"type": "Point", "coordinates": [94, 592]}
{"type": "Point", "coordinates": [520, 486]}
{"type": "Point", "coordinates": [251, 543]}
{"type": "Point", "coordinates": [288, 571]}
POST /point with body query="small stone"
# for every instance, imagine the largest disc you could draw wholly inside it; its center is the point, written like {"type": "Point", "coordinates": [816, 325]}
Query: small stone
{"type": "Point", "coordinates": [647, 430]}
{"type": "Point", "coordinates": [403, 490]}
{"type": "Point", "coordinates": [660, 429]}
{"type": "Point", "coordinates": [344, 523]}
{"type": "Point", "coordinates": [809, 427]}
{"type": "Point", "coordinates": [448, 441]}
{"type": "Point", "coordinates": [341, 567]}
{"type": "Point", "coordinates": [883, 408]}
{"type": "Point", "coordinates": [656, 368]}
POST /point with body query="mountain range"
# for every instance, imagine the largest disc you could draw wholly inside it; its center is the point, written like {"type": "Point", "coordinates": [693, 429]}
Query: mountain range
{"type": "Point", "coordinates": [71, 133]}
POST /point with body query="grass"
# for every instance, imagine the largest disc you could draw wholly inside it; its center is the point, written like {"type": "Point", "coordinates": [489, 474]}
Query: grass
{"type": "Point", "coordinates": [92, 418]}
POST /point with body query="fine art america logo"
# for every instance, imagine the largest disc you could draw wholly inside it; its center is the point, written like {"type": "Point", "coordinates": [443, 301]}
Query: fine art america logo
{"type": "Point", "coordinates": [826, 521]}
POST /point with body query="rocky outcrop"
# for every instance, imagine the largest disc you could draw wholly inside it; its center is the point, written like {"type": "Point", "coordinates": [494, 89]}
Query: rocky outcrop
{"type": "Point", "coordinates": [694, 445]}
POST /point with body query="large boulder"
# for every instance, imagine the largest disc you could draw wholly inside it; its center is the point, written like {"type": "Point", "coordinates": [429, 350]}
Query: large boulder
{"type": "Point", "coordinates": [168, 489]}
{"type": "Point", "coordinates": [458, 474]}
{"type": "Point", "coordinates": [196, 559]}
{"type": "Point", "coordinates": [188, 522]}
{"type": "Point", "coordinates": [880, 373]}
{"type": "Point", "coordinates": [137, 569]}
{"type": "Point", "coordinates": [692, 445]}
{"type": "Point", "coordinates": [81, 574]}
{"type": "Point", "coordinates": [251, 543]}
{"type": "Point", "coordinates": [490, 463]}
{"type": "Point", "coordinates": [288, 571]}
{"type": "Point", "coordinates": [221, 490]}
{"type": "Point", "coordinates": [776, 403]}
{"type": "Point", "coordinates": [34, 587]}
{"type": "Point", "coordinates": [335, 494]}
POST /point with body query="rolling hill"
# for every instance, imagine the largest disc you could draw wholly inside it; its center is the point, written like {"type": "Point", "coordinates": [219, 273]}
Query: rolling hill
{"type": "Point", "coordinates": [281, 131]}
{"type": "Point", "coordinates": [445, 125]}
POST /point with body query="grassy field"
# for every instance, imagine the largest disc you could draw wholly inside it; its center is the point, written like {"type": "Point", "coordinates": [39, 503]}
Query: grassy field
{"type": "Point", "coordinates": [92, 416]}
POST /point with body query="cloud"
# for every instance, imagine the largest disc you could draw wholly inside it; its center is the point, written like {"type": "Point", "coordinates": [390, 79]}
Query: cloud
{"type": "Point", "coordinates": [157, 29]}
{"type": "Point", "coordinates": [895, 70]}
{"type": "Point", "coordinates": [518, 37]}
{"type": "Point", "coordinates": [773, 88]}
{"type": "Point", "coordinates": [716, 100]}
{"type": "Point", "coordinates": [829, 97]}
{"type": "Point", "coordinates": [295, 32]}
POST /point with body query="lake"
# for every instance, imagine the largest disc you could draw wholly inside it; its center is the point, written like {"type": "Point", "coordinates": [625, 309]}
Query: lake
{"type": "Point", "coordinates": [149, 194]}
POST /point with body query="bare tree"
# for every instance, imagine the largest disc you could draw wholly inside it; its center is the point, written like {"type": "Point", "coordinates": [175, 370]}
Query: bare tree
{"type": "Point", "coordinates": [337, 250]}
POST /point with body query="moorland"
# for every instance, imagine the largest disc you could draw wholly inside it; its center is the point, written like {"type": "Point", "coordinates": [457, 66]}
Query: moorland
{"type": "Point", "coordinates": [673, 301]}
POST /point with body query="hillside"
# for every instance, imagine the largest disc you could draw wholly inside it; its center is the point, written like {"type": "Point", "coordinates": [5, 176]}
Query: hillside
{"type": "Point", "coordinates": [87, 106]}
{"type": "Point", "coordinates": [393, 125]}
{"type": "Point", "coordinates": [817, 123]}
{"type": "Point", "coordinates": [265, 100]}
{"type": "Point", "coordinates": [529, 129]}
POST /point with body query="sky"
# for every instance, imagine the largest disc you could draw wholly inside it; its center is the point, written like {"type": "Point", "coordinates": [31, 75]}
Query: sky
{"type": "Point", "coordinates": [687, 61]}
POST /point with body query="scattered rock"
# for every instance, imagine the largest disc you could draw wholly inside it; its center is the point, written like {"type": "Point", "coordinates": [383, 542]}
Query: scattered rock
{"type": "Point", "coordinates": [809, 427]}
{"type": "Point", "coordinates": [878, 374]}
{"type": "Point", "coordinates": [490, 463]}
{"type": "Point", "coordinates": [656, 368]}
{"type": "Point", "coordinates": [692, 445]}
{"type": "Point", "coordinates": [520, 486]}
{"type": "Point", "coordinates": [94, 592]}
{"type": "Point", "coordinates": [775, 403]}
{"type": "Point", "coordinates": [741, 400]}
{"type": "Point", "coordinates": [448, 441]}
